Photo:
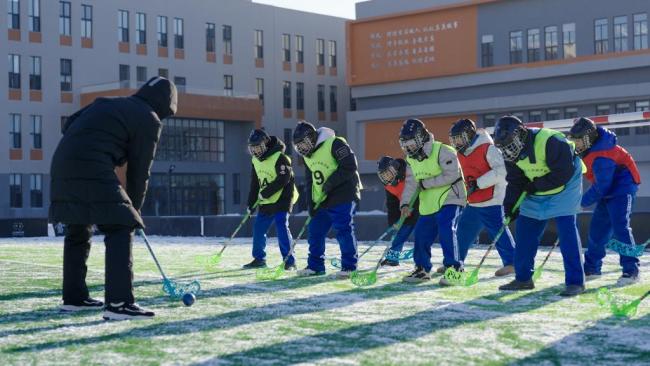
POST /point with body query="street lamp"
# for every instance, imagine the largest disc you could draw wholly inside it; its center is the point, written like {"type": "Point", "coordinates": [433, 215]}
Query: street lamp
{"type": "Point", "coordinates": [169, 189]}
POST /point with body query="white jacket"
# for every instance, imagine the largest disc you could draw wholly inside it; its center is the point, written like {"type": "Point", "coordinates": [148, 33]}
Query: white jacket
{"type": "Point", "coordinates": [496, 176]}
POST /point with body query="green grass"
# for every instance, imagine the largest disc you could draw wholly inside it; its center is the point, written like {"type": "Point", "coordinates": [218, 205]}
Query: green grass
{"type": "Point", "coordinates": [238, 320]}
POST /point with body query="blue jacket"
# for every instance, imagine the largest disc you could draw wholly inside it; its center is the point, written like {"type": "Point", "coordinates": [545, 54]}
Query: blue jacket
{"type": "Point", "coordinates": [609, 180]}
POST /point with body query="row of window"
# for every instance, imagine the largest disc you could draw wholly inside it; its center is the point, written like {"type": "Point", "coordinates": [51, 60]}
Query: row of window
{"type": "Point", "coordinates": [16, 190]}
{"type": "Point", "coordinates": [15, 131]}
{"type": "Point", "coordinates": [192, 140]}
{"type": "Point", "coordinates": [300, 96]}
{"type": "Point", "coordinates": [35, 67]}
{"type": "Point", "coordinates": [186, 194]}
{"type": "Point", "coordinates": [162, 28]}
{"type": "Point", "coordinates": [544, 44]}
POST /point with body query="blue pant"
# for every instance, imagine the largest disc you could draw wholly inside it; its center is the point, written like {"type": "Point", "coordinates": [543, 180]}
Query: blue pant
{"type": "Point", "coordinates": [262, 223]}
{"type": "Point", "coordinates": [474, 219]}
{"type": "Point", "coordinates": [611, 218]}
{"type": "Point", "coordinates": [342, 218]}
{"type": "Point", "coordinates": [398, 242]}
{"type": "Point", "coordinates": [444, 223]}
{"type": "Point", "coordinates": [529, 235]}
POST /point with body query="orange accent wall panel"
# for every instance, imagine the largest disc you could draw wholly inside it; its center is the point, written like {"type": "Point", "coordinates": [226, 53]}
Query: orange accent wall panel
{"type": "Point", "coordinates": [382, 137]}
{"type": "Point", "coordinates": [15, 154]}
{"type": "Point", "coordinates": [426, 44]}
{"type": "Point", "coordinates": [35, 95]}
{"type": "Point", "coordinates": [35, 37]}
{"type": "Point", "coordinates": [65, 40]}
{"type": "Point", "coordinates": [227, 59]}
{"type": "Point", "coordinates": [211, 57]}
{"type": "Point", "coordinates": [163, 52]}
{"type": "Point", "coordinates": [13, 34]}
{"type": "Point", "coordinates": [86, 42]}
{"type": "Point", "coordinates": [15, 94]}
{"type": "Point", "coordinates": [35, 154]}
{"type": "Point", "coordinates": [141, 49]}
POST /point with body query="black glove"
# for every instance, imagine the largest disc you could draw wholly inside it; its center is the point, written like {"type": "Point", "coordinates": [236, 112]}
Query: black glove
{"type": "Point", "coordinates": [472, 186]}
{"type": "Point", "coordinates": [312, 210]}
{"type": "Point", "coordinates": [508, 211]}
{"type": "Point", "coordinates": [531, 188]}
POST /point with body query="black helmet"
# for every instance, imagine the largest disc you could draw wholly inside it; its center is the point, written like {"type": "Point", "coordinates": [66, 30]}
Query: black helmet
{"type": "Point", "coordinates": [583, 133]}
{"type": "Point", "coordinates": [258, 143]}
{"type": "Point", "coordinates": [510, 137]}
{"type": "Point", "coordinates": [389, 170]}
{"type": "Point", "coordinates": [462, 134]}
{"type": "Point", "coordinates": [304, 138]}
{"type": "Point", "coordinates": [412, 138]}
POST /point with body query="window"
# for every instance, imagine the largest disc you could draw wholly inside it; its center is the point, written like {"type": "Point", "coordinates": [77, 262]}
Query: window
{"type": "Point", "coordinates": [123, 26]}
{"type": "Point", "coordinates": [86, 21]}
{"type": "Point", "coordinates": [535, 116]}
{"type": "Point", "coordinates": [140, 28]}
{"type": "Point", "coordinates": [164, 73]}
{"type": "Point", "coordinates": [571, 112]}
{"type": "Point", "coordinates": [228, 85]}
{"type": "Point", "coordinates": [259, 44]}
{"type": "Point", "coordinates": [14, 131]}
{"type": "Point", "coordinates": [186, 194]}
{"type": "Point", "coordinates": [227, 39]}
{"type": "Point", "coordinates": [320, 52]}
{"type": "Point", "coordinates": [210, 37]}
{"type": "Point", "coordinates": [321, 98]}
{"type": "Point", "coordinates": [15, 191]}
{"type": "Point", "coordinates": [516, 47]}
{"type": "Point", "coordinates": [64, 18]}
{"type": "Point", "coordinates": [286, 94]}
{"type": "Point", "coordinates": [13, 14]}
{"type": "Point", "coordinates": [602, 110]}
{"type": "Point", "coordinates": [141, 75]}
{"type": "Point", "coordinates": [288, 137]}
{"type": "Point", "coordinates": [180, 82]}
{"type": "Point", "coordinates": [552, 114]}
{"type": "Point", "coordinates": [620, 34]}
{"type": "Point", "coordinates": [489, 120]}
{"type": "Point", "coordinates": [569, 40]}
{"type": "Point", "coordinates": [601, 38]}
{"type": "Point", "coordinates": [14, 71]}
{"type": "Point", "coordinates": [34, 15]}
{"type": "Point", "coordinates": [642, 106]}
{"type": "Point", "coordinates": [551, 44]}
{"type": "Point", "coordinates": [640, 31]}
{"type": "Point", "coordinates": [66, 75]}
{"type": "Point", "coordinates": [161, 26]}
{"type": "Point", "coordinates": [37, 131]}
{"type": "Point", "coordinates": [333, 99]}
{"type": "Point", "coordinates": [191, 140]}
{"type": "Point", "coordinates": [533, 45]}
{"type": "Point", "coordinates": [300, 96]}
{"type": "Point", "coordinates": [332, 53]}
{"type": "Point", "coordinates": [286, 47]}
{"type": "Point", "coordinates": [36, 190]}
{"type": "Point", "coordinates": [179, 39]}
{"type": "Point", "coordinates": [125, 76]}
{"type": "Point", "coordinates": [300, 49]}
{"type": "Point", "coordinates": [236, 191]}
{"type": "Point", "coordinates": [35, 73]}
{"type": "Point", "coordinates": [487, 50]}
{"type": "Point", "coordinates": [259, 87]}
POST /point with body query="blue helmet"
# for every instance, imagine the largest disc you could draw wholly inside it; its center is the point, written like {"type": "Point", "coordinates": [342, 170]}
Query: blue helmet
{"type": "Point", "coordinates": [412, 138]}
{"type": "Point", "coordinates": [258, 143]}
{"type": "Point", "coordinates": [305, 137]}
{"type": "Point", "coordinates": [389, 170]}
{"type": "Point", "coordinates": [510, 137]}
{"type": "Point", "coordinates": [462, 134]}
{"type": "Point", "coordinates": [584, 134]}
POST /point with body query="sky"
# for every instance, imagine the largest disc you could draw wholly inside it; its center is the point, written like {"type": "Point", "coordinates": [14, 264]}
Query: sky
{"type": "Point", "coordinates": [339, 8]}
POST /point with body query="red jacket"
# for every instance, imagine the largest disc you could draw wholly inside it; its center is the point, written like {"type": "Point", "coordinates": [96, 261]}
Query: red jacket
{"type": "Point", "coordinates": [475, 165]}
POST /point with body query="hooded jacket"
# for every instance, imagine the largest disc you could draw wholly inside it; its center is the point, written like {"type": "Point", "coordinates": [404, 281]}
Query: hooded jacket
{"type": "Point", "coordinates": [106, 134]}
{"type": "Point", "coordinates": [610, 180]}
{"type": "Point", "coordinates": [451, 176]}
{"type": "Point", "coordinates": [344, 185]}
{"type": "Point", "coordinates": [496, 176]}
{"type": "Point", "coordinates": [285, 180]}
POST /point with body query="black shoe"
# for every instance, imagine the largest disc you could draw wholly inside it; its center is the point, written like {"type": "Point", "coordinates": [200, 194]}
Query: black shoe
{"type": "Point", "coordinates": [518, 285]}
{"type": "Point", "coordinates": [628, 279]}
{"type": "Point", "coordinates": [390, 262]}
{"type": "Point", "coordinates": [256, 263]}
{"type": "Point", "coordinates": [125, 312]}
{"type": "Point", "coordinates": [88, 304]}
{"type": "Point", "coordinates": [290, 267]}
{"type": "Point", "coordinates": [592, 275]}
{"type": "Point", "coordinates": [418, 275]}
{"type": "Point", "coordinates": [572, 290]}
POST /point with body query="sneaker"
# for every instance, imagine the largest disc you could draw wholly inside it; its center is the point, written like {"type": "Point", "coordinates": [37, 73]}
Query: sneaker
{"type": "Point", "coordinates": [343, 274]}
{"type": "Point", "coordinates": [592, 275]}
{"type": "Point", "coordinates": [88, 304]}
{"type": "Point", "coordinates": [441, 270]}
{"type": "Point", "coordinates": [504, 271]}
{"type": "Point", "coordinates": [418, 275]}
{"type": "Point", "coordinates": [122, 311]}
{"type": "Point", "coordinates": [390, 263]}
{"type": "Point", "coordinates": [256, 263]}
{"type": "Point", "coordinates": [290, 267]}
{"type": "Point", "coordinates": [308, 272]}
{"type": "Point", "coordinates": [572, 290]}
{"type": "Point", "coordinates": [628, 279]}
{"type": "Point", "coordinates": [515, 285]}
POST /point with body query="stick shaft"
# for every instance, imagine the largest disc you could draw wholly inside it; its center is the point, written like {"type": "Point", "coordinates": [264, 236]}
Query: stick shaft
{"type": "Point", "coordinates": [146, 242]}
{"type": "Point", "coordinates": [241, 224]}
{"type": "Point", "coordinates": [550, 252]}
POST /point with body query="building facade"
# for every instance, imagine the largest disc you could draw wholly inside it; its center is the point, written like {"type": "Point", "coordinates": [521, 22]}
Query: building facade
{"type": "Point", "coordinates": [542, 60]}
{"type": "Point", "coordinates": [237, 65]}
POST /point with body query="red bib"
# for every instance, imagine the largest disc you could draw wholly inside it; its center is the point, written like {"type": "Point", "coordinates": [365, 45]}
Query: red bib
{"type": "Point", "coordinates": [620, 156]}
{"type": "Point", "coordinates": [474, 166]}
{"type": "Point", "coordinates": [396, 190]}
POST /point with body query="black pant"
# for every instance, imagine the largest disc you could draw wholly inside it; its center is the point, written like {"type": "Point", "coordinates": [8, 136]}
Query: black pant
{"type": "Point", "coordinates": [119, 263]}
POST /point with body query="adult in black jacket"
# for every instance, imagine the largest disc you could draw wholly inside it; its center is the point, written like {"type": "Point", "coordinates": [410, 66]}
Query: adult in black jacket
{"type": "Point", "coordinates": [274, 192]}
{"type": "Point", "coordinates": [85, 190]}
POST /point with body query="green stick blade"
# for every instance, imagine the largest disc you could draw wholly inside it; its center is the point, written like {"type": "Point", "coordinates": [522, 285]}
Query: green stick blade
{"type": "Point", "coordinates": [362, 279]}
{"type": "Point", "coordinates": [455, 277]}
{"type": "Point", "coordinates": [472, 279]}
{"type": "Point", "coordinates": [269, 274]}
{"type": "Point", "coordinates": [537, 274]}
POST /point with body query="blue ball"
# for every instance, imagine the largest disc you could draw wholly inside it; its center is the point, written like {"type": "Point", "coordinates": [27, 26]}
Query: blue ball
{"type": "Point", "coordinates": [189, 299]}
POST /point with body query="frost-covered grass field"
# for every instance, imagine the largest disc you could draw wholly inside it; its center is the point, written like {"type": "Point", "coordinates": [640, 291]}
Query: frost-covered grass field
{"type": "Point", "coordinates": [240, 321]}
